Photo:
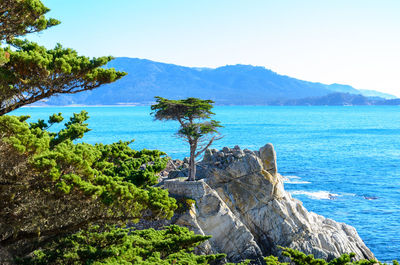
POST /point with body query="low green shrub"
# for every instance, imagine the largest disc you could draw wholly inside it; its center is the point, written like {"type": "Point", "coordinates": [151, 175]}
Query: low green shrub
{"type": "Point", "coordinates": [299, 258]}
{"type": "Point", "coordinates": [184, 204]}
{"type": "Point", "coordinates": [111, 245]}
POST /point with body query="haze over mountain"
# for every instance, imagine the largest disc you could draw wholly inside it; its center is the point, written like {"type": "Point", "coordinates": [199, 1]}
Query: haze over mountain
{"type": "Point", "coordinates": [226, 85]}
{"type": "Point", "coordinates": [337, 99]}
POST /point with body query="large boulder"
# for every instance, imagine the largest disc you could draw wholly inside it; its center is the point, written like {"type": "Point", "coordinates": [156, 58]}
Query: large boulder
{"type": "Point", "coordinates": [268, 157]}
{"type": "Point", "coordinates": [211, 216]}
{"type": "Point", "coordinates": [241, 202]}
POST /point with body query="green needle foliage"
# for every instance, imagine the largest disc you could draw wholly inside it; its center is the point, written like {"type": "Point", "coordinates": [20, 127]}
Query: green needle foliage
{"type": "Point", "coordinates": [139, 168]}
{"type": "Point", "coordinates": [33, 73]}
{"type": "Point", "coordinates": [110, 245]}
{"type": "Point", "coordinates": [19, 17]}
{"type": "Point", "coordinates": [189, 113]}
{"type": "Point", "coordinates": [299, 258]}
{"type": "Point", "coordinates": [50, 186]}
{"type": "Point", "coordinates": [29, 72]}
{"type": "Point", "coordinates": [64, 197]}
{"type": "Point", "coordinates": [53, 190]}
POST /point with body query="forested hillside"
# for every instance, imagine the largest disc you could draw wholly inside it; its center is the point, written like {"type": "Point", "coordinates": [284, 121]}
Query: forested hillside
{"type": "Point", "coordinates": [227, 85]}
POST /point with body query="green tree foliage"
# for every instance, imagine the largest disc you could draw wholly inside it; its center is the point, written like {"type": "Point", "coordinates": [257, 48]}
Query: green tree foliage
{"type": "Point", "coordinates": [19, 17]}
{"type": "Point", "coordinates": [30, 72]}
{"type": "Point", "coordinates": [50, 186]}
{"type": "Point", "coordinates": [190, 114]}
{"type": "Point", "coordinates": [110, 245]}
{"type": "Point", "coordinates": [63, 197]}
{"type": "Point", "coordinates": [299, 258]}
{"type": "Point", "coordinates": [33, 73]}
{"type": "Point", "coordinates": [53, 190]}
{"type": "Point", "coordinates": [139, 168]}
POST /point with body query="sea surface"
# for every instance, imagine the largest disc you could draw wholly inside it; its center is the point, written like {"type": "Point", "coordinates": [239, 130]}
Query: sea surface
{"type": "Point", "coordinates": [342, 162]}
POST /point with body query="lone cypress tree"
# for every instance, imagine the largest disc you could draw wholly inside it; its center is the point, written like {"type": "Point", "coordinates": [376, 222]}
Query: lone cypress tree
{"type": "Point", "coordinates": [189, 113]}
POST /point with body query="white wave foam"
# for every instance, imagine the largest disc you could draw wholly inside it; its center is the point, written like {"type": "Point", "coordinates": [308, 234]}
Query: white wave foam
{"type": "Point", "coordinates": [292, 177]}
{"type": "Point", "coordinates": [295, 180]}
{"type": "Point", "coordinates": [317, 195]}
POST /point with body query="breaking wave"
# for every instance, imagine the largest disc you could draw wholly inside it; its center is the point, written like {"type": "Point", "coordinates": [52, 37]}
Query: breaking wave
{"type": "Point", "coordinates": [294, 180]}
{"type": "Point", "coordinates": [317, 195]}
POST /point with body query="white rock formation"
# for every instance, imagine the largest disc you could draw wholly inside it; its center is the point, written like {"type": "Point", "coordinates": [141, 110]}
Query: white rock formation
{"type": "Point", "coordinates": [211, 216]}
{"type": "Point", "coordinates": [241, 202]}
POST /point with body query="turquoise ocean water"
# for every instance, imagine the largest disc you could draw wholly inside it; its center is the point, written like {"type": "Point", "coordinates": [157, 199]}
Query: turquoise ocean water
{"type": "Point", "coordinates": [342, 162]}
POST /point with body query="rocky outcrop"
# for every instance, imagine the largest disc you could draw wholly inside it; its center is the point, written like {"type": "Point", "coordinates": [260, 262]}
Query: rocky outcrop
{"type": "Point", "coordinates": [211, 216]}
{"type": "Point", "coordinates": [241, 202]}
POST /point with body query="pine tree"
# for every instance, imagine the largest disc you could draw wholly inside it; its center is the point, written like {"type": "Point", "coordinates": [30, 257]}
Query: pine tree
{"type": "Point", "coordinates": [50, 186]}
{"type": "Point", "coordinates": [19, 17]}
{"type": "Point", "coordinates": [189, 113]}
{"type": "Point", "coordinates": [68, 198]}
{"type": "Point", "coordinates": [111, 245]}
{"type": "Point", "coordinates": [30, 72]}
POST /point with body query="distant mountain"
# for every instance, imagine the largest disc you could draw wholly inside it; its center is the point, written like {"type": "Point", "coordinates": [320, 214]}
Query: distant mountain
{"type": "Point", "coordinates": [344, 89]}
{"type": "Point", "coordinates": [334, 99]}
{"type": "Point", "coordinates": [227, 85]}
{"type": "Point", "coordinates": [373, 93]}
{"type": "Point", "coordinates": [395, 101]}
{"type": "Point", "coordinates": [337, 99]}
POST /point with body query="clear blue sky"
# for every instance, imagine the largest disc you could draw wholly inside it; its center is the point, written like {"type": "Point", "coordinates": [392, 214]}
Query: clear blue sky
{"type": "Point", "coordinates": [355, 42]}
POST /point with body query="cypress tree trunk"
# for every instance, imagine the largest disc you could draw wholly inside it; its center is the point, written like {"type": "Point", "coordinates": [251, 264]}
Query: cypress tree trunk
{"type": "Point", "coordinates": [192, 163]}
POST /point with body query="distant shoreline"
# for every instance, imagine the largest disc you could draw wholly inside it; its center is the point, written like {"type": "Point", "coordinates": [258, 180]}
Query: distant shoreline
{"type": "Point", "coordinates": [138, 105]}
{"type": "Point", "coordinates": [85, 106]}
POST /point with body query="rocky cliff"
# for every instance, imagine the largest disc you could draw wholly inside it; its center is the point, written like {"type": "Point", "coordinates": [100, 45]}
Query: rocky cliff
{"type": "Point", "coordinates": [241, 202]}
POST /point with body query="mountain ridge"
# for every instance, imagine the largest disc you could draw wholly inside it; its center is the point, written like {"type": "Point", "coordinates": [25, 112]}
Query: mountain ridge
{"type": "Point", "coordinates": [227, 85]}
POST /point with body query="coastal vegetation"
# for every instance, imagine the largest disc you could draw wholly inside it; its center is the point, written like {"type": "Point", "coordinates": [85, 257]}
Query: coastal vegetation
{"type": "Point", "coordinates": [51, 186]}
{"type": "Point", "coordinates": [30, 72]}
{"type": "Point", "coordinates": [111, 245]}
{"type": "Point", "coordinates": [65, 202]}
{"type": "Point", "coordinates": [299, 258]}
{"type": "Point", "coordinates": [189, 113]}
{"type": "Point", "coordinates": [54, 190]}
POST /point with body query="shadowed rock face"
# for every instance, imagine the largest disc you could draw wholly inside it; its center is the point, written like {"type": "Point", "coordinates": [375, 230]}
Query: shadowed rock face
{"type": "Point", "coordinates": [241, 202]}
